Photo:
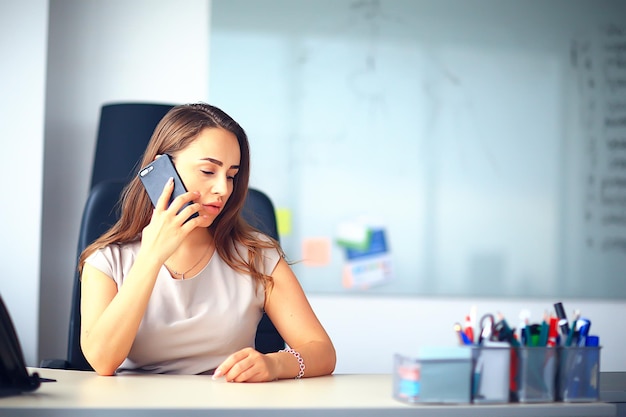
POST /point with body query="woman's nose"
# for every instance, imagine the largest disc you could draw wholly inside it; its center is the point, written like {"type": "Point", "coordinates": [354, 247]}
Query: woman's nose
{"type": "Point", "coordinates": [220, 186]}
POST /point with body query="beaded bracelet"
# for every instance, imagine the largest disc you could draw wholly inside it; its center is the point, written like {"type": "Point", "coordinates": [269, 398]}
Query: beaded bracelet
{"type": "Point", "coordinates": [300, 361]}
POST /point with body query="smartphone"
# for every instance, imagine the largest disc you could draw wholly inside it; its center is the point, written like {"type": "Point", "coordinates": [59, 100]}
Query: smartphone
{"type": "Point", "coordinates": [154, 176]}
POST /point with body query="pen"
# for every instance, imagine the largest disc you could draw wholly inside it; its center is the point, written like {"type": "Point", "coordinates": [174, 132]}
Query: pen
{"type": "Point", "coordinates": [524, 335]}
{"type": "Point", "coordinates": [463, 339]}
{"type": "Point", "coordinates": [533, 334]}
{"type": "Point", "coordinates": [543, 332]}
{"type": "Point", "coordinates": [583, 331]}
{"type": "Point", "coordinates": [572, 330]}
{"type": "Point", "coordinates": [469, 329]}
{"type": "Point", "coordinates": [524, 315]}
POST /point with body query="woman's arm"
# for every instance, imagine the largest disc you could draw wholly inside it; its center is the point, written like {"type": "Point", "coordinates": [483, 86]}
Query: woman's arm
{"type": "Point", "coordinates": [292, 315]}
{"type": "Point", "coordinates": [110, 319]}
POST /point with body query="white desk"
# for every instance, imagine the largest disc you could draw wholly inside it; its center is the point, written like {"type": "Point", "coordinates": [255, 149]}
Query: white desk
{"type": "Point", "coordinates": [79, 393]}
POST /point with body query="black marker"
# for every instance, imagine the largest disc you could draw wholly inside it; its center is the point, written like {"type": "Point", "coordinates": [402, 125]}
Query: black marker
{"type": "Point", "coordinates": [560, 313]}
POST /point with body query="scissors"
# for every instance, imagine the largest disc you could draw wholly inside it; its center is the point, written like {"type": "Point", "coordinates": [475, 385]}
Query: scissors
{"type": "Point", "coordinates": [487, 328]}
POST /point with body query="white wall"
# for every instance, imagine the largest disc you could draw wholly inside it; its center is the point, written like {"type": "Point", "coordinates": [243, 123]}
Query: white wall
{"type": "Point", "coordinates": [100, 52]}
{"type": "Point", "coordinates": [23, 35]}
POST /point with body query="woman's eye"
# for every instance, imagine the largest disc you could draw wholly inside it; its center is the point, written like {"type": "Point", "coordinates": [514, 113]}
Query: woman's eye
{"type": "Point", "coordinates": [207, 172]}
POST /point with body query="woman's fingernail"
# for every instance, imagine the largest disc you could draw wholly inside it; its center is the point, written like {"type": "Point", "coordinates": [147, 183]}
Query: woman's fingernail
{"type": "Point", "coordinates": [217, 373]}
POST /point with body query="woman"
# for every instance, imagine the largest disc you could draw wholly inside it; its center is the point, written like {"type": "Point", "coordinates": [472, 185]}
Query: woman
{"type": "Point", "coordinates": [164, 294]}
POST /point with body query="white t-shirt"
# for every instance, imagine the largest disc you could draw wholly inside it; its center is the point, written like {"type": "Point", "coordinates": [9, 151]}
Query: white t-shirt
{"type": "Point", "coordinates": [190, 326]}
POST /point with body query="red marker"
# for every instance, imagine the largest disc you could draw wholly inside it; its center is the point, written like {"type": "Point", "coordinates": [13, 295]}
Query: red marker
{"type": "Point", "coordinates": [553, 332]}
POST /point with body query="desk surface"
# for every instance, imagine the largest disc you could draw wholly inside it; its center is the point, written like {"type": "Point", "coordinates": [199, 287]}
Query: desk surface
{"type": "Point", "coordinates": [613, 386]}
{"type": "Point", "coordinates": [78, 393]}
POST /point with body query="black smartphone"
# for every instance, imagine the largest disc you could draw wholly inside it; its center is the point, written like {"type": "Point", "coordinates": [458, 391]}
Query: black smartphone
{"type": "Point", "coordinates": [154, 176]}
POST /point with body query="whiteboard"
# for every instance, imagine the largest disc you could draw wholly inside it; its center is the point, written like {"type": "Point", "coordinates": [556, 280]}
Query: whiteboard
{"type": "Point", "coordinates": [486, 139]}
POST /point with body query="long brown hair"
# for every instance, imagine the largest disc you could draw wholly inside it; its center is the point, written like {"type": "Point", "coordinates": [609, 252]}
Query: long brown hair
{"type": "Point", "coordinates": [178, 128]}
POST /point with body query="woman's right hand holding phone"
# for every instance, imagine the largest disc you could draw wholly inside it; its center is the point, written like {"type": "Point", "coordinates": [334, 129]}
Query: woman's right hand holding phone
{"type": "Point", "coordinates": [169, 226]}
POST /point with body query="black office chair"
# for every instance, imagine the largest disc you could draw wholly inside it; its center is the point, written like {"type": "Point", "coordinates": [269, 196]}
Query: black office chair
{"type": "Point", "coordinates": [124, 131]}
{"type": "Point", "coordinates": [101, 212]}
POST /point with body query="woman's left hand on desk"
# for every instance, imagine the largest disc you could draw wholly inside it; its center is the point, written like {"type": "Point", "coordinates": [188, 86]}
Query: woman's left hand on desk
{"type": "Point", "coordinates": [247, 365]}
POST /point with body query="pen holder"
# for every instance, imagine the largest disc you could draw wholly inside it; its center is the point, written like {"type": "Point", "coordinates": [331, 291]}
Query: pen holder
{"type": "Point", "coordinates": [578, 377]}
{"type": "Point", "coordinates": [445, 380]}
{"type": "Point", "coordinates": [533, 373]}
{"type": "Point", "coordinates": [490, 382]}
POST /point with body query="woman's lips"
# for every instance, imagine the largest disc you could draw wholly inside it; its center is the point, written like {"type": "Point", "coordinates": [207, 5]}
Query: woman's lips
{"type": "Point", "coordinates": [213, 208]}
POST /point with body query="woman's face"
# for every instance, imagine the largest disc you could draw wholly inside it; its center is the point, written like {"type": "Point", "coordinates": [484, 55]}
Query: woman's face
{"type": "Point", "coordinates": [208, 165]}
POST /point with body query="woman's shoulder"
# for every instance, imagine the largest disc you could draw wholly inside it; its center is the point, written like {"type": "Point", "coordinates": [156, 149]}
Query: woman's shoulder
{"type": "Point", "coordinates": [257, 241]}
{"type": "Point", "coordinates": [264, 246]}
{"type": "Point", "coordinates": [262, 237]}
{"type": "Point", "coordinates": [107, 257]}
{"type": "Point", "coordinates": [120, 249]}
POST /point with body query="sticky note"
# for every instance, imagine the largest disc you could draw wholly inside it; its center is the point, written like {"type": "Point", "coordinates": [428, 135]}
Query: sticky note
{"type": "Point", "coordinates": [283, 221]}
{"type": "Point", "coordinates": [316, 251]}
{"type": "Point", "coordinates": [347, 280]}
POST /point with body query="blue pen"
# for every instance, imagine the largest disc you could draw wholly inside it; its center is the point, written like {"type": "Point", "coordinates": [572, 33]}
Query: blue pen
{"type": "Point", "coordinates": [583, 331]}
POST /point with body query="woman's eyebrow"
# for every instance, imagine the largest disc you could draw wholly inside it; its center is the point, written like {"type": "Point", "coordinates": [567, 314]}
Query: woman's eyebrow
{"type": "Point", "coordinates": [219, 163]}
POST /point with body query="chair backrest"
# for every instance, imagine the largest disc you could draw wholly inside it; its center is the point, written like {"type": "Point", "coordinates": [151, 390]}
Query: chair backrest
{"type": "Point", "coordinates": [101, 212]}
{"type": "Point", "coordinates": [123, 133]}
{"type": "Point", "coordinates": [259, 212]}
